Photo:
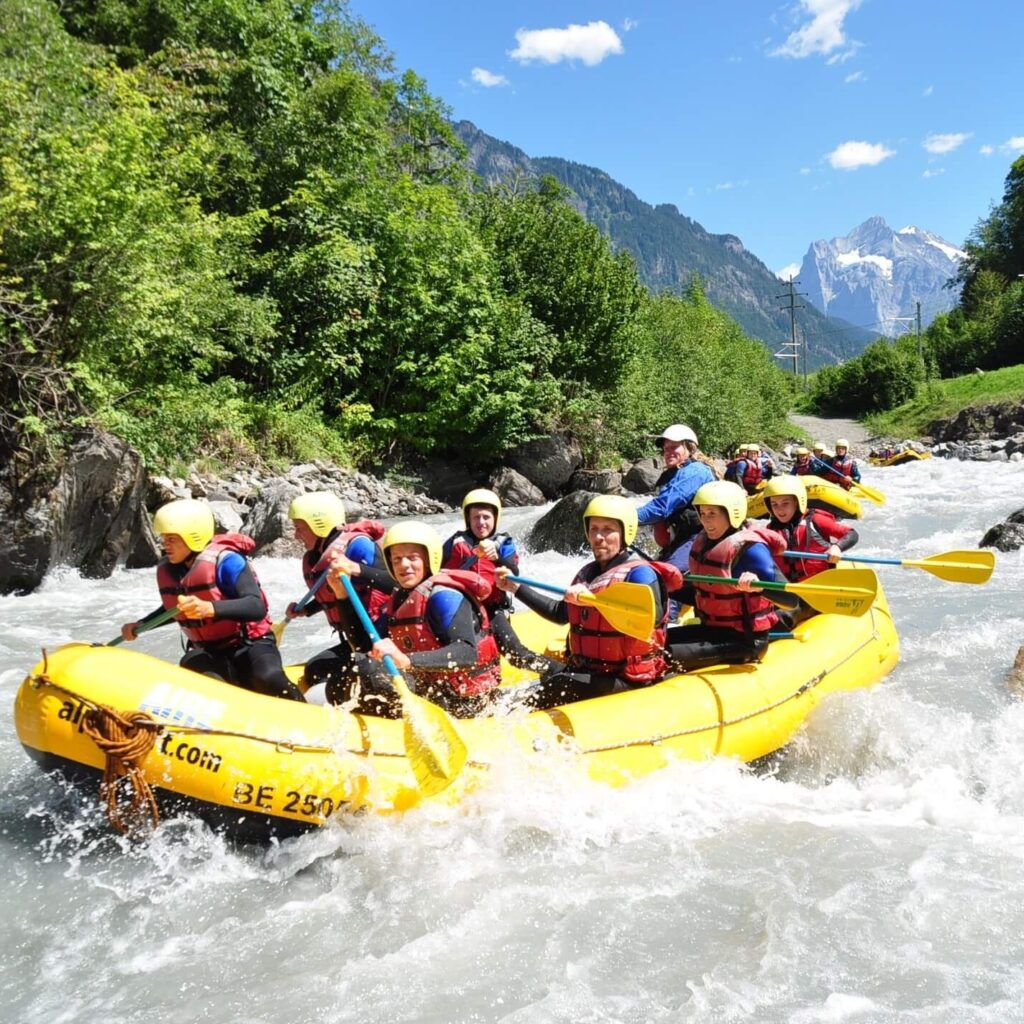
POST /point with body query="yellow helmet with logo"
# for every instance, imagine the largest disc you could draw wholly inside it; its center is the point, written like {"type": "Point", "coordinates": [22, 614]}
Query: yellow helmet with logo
{"type": "Point", "coordinates": [614, 506]}
{"type": "Point", "coordinates": [321, 510]}
{"type": "Point", "coordinates": [414, 533]}
{"type": "Point", "coordinates": [792, 485]}
{"type": "Point", "coordinates": [727, 495]}
{"type": "Point", "coordinates": [481, 496]}
{"type": "Point", "coordinates": [190, 519]}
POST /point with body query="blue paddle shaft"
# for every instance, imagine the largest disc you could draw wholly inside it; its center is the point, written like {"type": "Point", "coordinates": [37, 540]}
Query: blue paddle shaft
{"type": "Point", "coordinates": [537, 583]}
{"type": "Point", "coordinates": [364, 618]}
{"type": "Point", "coordinates": [311, 593]}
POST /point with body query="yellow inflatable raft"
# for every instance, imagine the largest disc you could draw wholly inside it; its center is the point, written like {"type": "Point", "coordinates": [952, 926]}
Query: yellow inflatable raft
{"type": "Point", "coordinates": [820, 494]}
{"type": "Point", "coordinates": [899, 458]}
{"type": "Point", "coordinates": [258, 766]}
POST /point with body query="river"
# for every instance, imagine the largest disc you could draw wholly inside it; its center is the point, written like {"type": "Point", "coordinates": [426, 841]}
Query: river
{"type": "Point", "coordinates": [877, 874]}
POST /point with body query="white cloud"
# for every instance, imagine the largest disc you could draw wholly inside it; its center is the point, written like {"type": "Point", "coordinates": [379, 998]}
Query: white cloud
{"type": "Point", "coordinates": [488, 79]}
{"type": "Point", "coordinates": [1014, 145]}
{"type": "Point", "coordinates": [724, 186]}
{"type": "Point", "coordinates": [628, 24]}
{"type": "Point", "coordinates": [940, 144]}
{"type": "Point", "coordinates": [789, 271]}
{"type": "Point", "coordinates": [934, 174]}
{"type": "Point", "coordinates": [848, 156]}
{"type": "Point", "coordinates": [842, 58]}
{"type": "Point", "coordinates": [805, 170]}
{"type": "Point", "coordinates": [823, 33]}
{"type": "Point", "coordinates": [928, 90]}
{"type": "Point", "coordinates": [590, 43]}
{"type": "Point", "coordinates": [857, 76]}
{"type": "Point", "coordinates": [986, 150]}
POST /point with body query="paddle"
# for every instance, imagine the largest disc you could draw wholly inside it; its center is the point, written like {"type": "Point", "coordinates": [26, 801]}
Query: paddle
{"type": "Point", "coordinates": [873, 495]}
{"type": "Point", "coordinates": [841, 591]}
{"type": "Point", "coordinates": [629, 607]}
{"type": "Point", "coordinates": [953, 566]}
{"type": "Point", "coordinates": [435, 750]}
{"type": "Point", "coordinates": [278, 628]}
{"type": "Point", "coordinates": [145, 627]}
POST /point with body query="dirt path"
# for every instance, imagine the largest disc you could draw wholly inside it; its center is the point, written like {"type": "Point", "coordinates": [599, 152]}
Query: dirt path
{"type": "Point", "coordinates": [827, 430]}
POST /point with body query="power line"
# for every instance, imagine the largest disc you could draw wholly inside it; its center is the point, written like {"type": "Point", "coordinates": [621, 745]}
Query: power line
{"type": "Point", "coordinates": [791, 349]}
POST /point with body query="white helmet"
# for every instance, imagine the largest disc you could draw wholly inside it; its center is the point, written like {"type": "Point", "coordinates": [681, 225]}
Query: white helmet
{"type": "Point", "coordinates": [676, 432]}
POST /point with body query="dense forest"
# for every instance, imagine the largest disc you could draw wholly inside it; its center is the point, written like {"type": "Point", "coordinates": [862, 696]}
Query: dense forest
{"type": "Point", "coordinates": [233, 232]}
{"type": "Point", "coordinates": [985, 331]}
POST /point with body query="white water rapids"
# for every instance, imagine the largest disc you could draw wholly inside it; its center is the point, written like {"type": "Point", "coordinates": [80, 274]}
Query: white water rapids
{"type": "Point", "coordinates": [877, 875]}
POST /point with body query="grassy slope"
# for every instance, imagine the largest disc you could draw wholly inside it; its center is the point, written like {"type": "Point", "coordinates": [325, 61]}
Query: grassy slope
{"type": "Point", "coordinates": [944, 398]}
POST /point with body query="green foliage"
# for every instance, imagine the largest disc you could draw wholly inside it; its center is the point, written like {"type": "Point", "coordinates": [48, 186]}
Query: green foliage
{"type": "Point", "coordinates": [885, 375]}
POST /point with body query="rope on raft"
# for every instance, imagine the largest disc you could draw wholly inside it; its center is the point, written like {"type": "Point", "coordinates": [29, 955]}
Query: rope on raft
{"type": "Point", "coordinates": [125, 740]}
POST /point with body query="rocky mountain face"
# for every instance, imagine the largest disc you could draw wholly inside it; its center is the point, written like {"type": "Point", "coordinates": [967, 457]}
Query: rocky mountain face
{"type": "Point", "coordinates": [670, 248]}
{"type": "Point", "coordinates": [876, 274]}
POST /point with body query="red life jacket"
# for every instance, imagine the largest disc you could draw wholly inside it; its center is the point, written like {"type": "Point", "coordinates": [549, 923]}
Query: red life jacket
{"type": "Point", "coordinates": [803, 468]}
{"type": "Point", "coordinates": [752, 475]}
{"type": "Point", "coordinates": [201, 581]}
{"type": "Point", "coordinates": [314, 563]}
{"type": "Point", "coordinates": [842, 470]}
{"type": "Point", "coordinates": [817, 531]}
{"type": "Point", "coordinates": [721, 604]}
{"type": "Point", "coordinates": [408, 627]}
{"type": "Point", "coordinates": [593, 643]}
{"type": "Point", "coordinates": [463, 550]}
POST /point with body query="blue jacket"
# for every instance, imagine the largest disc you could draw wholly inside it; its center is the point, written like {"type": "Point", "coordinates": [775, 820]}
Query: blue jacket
{"type": "Point", "coordinates": [676, 493]}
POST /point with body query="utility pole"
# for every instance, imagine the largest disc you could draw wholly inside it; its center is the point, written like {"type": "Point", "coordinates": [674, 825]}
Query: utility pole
{"type": "Point", "coordinates": [791, 350]}
{"type": "Point", "coordinates": [920, 349]}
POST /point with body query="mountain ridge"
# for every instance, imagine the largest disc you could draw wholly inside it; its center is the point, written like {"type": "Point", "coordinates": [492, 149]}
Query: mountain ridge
{"type": "Point", "coordinates": [670, 248]}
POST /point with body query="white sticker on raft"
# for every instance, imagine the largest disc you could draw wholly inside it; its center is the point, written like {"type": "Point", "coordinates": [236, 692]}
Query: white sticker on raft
{"type": "Point", "coordinates": [181, 706]}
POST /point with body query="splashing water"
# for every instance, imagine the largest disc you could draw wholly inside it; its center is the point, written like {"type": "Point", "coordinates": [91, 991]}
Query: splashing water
{"type": "Point", "coordinates": [876, 874]}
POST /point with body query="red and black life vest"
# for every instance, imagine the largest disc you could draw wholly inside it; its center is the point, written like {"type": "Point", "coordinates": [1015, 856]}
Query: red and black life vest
{"type": "Point", "coordinates": [463, 556]}
{"type": "Point", "coordinates": [593, 643]}
{"type": "Point", "coordinates": [816, 532]}
{"type": "Point", "coordinates": [314, 563]}
{"type": "Point", "coordinates": [842, 470]}
{"type": "Point", "coordinates": [753, 474]}
{"type": "Point", "coordinates": [409, 628]}
{"type": "Point", "coordinates": [805, 468]}
{"type": "Point", "coordinates": [721, 604]}
{"type": "Point", "coordinates": [201, 581]}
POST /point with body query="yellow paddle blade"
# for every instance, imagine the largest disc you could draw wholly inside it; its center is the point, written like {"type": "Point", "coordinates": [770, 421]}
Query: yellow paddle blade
{"type": "Point", "coordinates": [957, 566]}
{"type": "Point", "coordinates": [628, 607]}
{"type": "Point", "coordinates": [873, 495]}
{"type": "Point", "coordinates": [840, 591]}
{"type": "Point", "coordinates": [435, 750]}
{"type": "Point", "coordinates": [278, 629]}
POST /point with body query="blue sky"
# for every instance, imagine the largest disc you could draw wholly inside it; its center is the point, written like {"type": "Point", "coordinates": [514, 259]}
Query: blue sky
{"type": "Point", "coordinates": [778, 122]}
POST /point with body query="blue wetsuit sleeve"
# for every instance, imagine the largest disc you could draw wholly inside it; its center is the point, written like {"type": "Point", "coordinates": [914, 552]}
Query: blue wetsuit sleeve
{"type": "Point", "coordinates": [646, 575]}
{"type": "Point", "coordinates": [243, 599]}
{"type": "Point", "coordinates": [678, 492]}
{"type": "Point", "coordinates": [508, 556]}
{"type": "Point", "coordinates": [758, 560]}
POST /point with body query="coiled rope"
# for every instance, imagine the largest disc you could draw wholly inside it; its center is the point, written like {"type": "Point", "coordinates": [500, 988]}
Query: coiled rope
{"type": "Point", "coordinates": [125, 739]}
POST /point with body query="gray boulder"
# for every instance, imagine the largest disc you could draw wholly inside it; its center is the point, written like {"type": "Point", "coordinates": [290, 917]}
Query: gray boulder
{"type": "Point", "coordinates": [226, 516]}
{"type": "Point", "coordinates": [1007, 535]}
{"type": "Point", "coordinates": [514, 489]}
{"type": "Point", "coordinates": [561, 529]}
{"type": "Point", "coordinates": [548, 462]}
{"type": "Point", "coordinates": [643, 476]}
{"type": "Point", "coordinates": [93, 519]}
{"type": "Point", "coordinates": [268, 523]}
{"type": "Point", "coordinates": [603, 481]}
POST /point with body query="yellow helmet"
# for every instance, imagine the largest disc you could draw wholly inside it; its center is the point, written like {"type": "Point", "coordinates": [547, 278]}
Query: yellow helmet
{"type": "Point", "coordinates": [414, 533]}
{"type": "Point", "coordinates": [481, 496]}
{"type": "Point", "coordinates": [755, 448]}
{"type": "Point", "coordinates": [817, 447]}
{"type": "Point", "coordinates": [322, 510]}
{"type": "Point", "coordinates": [727, 495]}
{"type": "Point", "coordinates": [614, 506]}
{"type": "Point", "coordinates": [791, 485]}
{"type": "Point", "coordinates": [841, 442]}
{"type": "Point", "coordinates": [801, 450]}
{"type": "Point", "coordinates": [190, 519]}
